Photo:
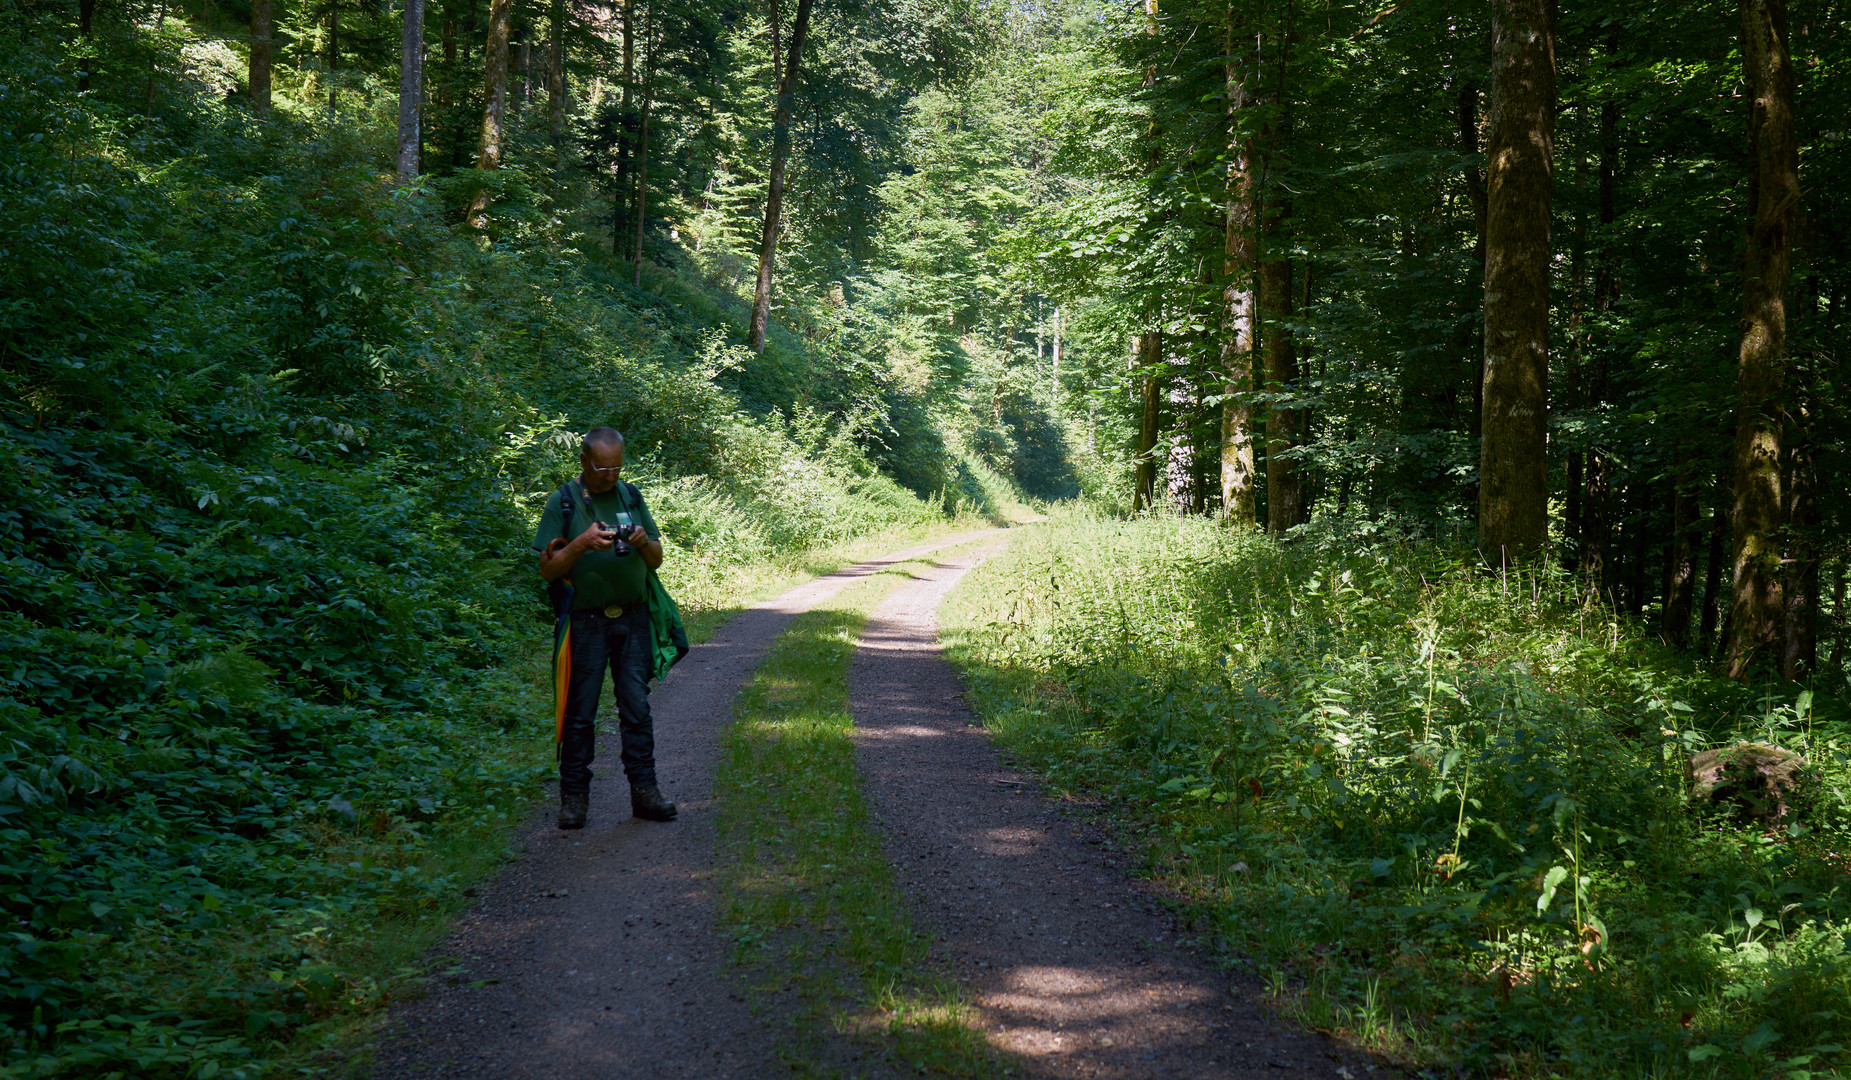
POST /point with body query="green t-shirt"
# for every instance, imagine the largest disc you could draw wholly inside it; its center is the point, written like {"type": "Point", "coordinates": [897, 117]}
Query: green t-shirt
{"type": "Point", "coordinates": [601, 578]}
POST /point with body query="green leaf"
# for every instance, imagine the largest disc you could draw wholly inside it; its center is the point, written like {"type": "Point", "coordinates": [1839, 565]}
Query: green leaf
{"type": "Point", "coordinates": [1759, 1039]}
{"type": "Point", "coordinates": [1551, 880]}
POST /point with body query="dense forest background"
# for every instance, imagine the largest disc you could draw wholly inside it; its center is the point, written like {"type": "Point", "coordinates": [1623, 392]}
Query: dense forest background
{"type": "Point", "coordinates": [302, 302]}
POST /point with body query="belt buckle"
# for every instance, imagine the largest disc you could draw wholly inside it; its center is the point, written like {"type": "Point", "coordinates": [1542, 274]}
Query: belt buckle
{"type": "Point", "coordinates": [613, 611]}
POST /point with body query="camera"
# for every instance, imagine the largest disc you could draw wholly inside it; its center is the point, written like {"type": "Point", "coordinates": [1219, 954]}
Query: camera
{"type": "Point", "coordinates": [619, 547]}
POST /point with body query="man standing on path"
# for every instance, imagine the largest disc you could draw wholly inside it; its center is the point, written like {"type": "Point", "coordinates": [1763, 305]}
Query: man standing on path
{"type": "Point", "coordinates": [605, 546]}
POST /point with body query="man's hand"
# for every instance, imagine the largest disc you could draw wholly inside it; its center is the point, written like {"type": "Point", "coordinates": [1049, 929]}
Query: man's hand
{"type": "Point", "coordinates": [650, 550]}
{"type": "Point", "coordinates": [560, 556]}
{"type": "Point", "coordinates": [596, 538]}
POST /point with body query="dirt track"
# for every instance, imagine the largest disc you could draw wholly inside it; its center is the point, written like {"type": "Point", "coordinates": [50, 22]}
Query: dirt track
{"type": "Point", "coordinates": [596, 955]}
{"type": "Point", "coordinates": [1072, 966]}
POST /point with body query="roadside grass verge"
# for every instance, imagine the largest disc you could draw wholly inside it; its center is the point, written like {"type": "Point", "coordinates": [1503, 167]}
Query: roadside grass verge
{"type": "Point", "coordinates": [1443, 811]}
{"type": "Point", "coordinates": [806, 895]}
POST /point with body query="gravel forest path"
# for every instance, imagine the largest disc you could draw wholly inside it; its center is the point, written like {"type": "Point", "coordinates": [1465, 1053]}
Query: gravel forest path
{"type": "Point", "coordinates": [595, 954]}
{"type": "Point", "coordinates": [1072, 966]}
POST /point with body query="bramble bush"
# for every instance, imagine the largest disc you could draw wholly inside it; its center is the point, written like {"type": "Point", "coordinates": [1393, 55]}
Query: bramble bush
{"type": "Point", "coordinates": [1447, 808]}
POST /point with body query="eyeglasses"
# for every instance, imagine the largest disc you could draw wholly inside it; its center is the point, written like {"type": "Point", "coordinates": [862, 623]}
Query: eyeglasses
{"type": "Point", "coordinates": [610, 472]}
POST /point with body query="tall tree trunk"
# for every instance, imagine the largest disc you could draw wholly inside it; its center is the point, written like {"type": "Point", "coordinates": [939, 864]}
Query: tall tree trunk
{"type": "Point", "coordinates": [1597, 520]}
{"type": "Point", "coordinates": [642, 187]}
{"type": "Point", "coordinates": [1238, 300]}
{"type": "Point", "coordinates": [494, 102]}
{"type": "Point", "coordinates": [1475, 190]}
{"type": "Point", "coordinates": [1800, 589]}
{"type": "Point", "coordinates": [1513, 474]}
{"type": "Point", "coordinates": [774, 193]}
{"type": "Point", "coordinates": [1148, 349]}
{"type": "Point", "coordinates": [1285, 493]}
{"type": "Point", "coordinates": [263, 46]}
{"type": "Point", "coordinates": [1640, 550]}
{"type": "Point", "coordinates": [1597, 512]}
{"type": "Point", "coordinates": [1200, 463]}
{"type": "Point", "coordinates": [446, 86]}
{"type": "Point", "coordinates": [1573, 482]}
{"type": "Point", "coordinates": [495, 84]}
{"type": "Point", "coordinates": [556, 73]}
{"type": "Point", "coordinates": [86, 35]}
{"type": "Point", "coordinates": [620, 218]}
{"type": "Point", "coordinates": [1756, 611]}
{"type": "Point", "coordinates": [465, 125]}
{"type": "Point", "coordinates": [334, 51]}
{"type": "Point", "coordinates": [1712, 573]}
{"type": "Point", "coordinates": [1057, 343]}
{"type": "Point", "coordinates": [1285, 496]}
{"type": "Point", "coordinates": [521, 50]}
{"type": "Point", "coordinates": [1838, 616]}
{"type": "Point", "coordinates": [1574, 465]}
{"type": "Point", "coordinates": [1681, 565]}
{"type": "Point", "coordinates": [410, 88]}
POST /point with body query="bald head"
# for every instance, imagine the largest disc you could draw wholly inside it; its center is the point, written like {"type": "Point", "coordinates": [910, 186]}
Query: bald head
{"type": "Point", "coordinates": [600, 438]}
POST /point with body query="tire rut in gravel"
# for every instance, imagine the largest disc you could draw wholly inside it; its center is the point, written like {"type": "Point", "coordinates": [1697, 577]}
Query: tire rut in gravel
{"type": "Point", "coordinates": [594, 954]}
{"type": "Point", "coordinates": [1074, 969]}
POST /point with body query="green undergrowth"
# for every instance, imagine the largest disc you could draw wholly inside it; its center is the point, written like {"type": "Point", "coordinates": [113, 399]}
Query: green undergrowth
{"type": "Point", "coordinates": [807, 897]}
{"type": "Point", "coordinates": [1444, 811]}
{"type": "Point", "coordinates": [273, 434]}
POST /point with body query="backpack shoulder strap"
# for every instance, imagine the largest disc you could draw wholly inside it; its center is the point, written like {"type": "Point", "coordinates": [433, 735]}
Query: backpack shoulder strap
{"type": "Point", "coordinates": [566, 510]}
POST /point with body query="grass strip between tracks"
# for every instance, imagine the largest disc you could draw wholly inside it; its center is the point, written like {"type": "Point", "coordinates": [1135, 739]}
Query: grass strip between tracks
{"type": "Point", "coordinates": [805, 893]}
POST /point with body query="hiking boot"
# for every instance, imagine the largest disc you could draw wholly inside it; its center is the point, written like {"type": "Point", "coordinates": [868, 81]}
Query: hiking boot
{"type": "Point", "coordinates": [572, 806]}
{"type": "Point", "coordinates": [647, 803]}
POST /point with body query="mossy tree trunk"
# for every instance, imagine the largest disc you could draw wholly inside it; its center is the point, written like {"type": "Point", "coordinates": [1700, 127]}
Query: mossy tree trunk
{"type": "Point", "coordinates": [1513, 492]}
{"type": "Point", "coordinates": [410, 89]}
{"type": "Point", "coordinates": [1239, 303]}
{"type": "Point", "coordinates": [1756, 610]}
{"type": "Point", "coordinates": [494, 102]}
